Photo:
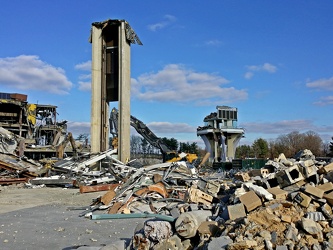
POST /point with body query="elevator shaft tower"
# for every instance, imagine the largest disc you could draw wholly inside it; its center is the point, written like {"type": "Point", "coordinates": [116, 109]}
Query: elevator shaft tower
{"type": "Point", "coordinates": [110, 82]}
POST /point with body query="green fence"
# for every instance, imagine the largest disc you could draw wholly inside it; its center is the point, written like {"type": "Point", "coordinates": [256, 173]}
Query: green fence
{"type": "Point", "coordinates": [241, 164]}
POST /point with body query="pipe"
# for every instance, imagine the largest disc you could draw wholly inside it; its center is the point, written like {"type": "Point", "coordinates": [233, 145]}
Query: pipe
{"type": "Point", "coordinates": [129, 216]}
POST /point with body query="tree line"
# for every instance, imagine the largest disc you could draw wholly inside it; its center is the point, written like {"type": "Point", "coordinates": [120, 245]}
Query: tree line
{"type": "Point", "coordinates": [288, 144]}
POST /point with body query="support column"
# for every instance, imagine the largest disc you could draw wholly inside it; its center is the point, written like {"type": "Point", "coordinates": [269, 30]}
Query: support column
{"type": "Point", "coordinates": [124, 96]}
{"type": "Point", "coordinates": [96, 89]}
{"type": "Point", "coordinates": [232, 144]}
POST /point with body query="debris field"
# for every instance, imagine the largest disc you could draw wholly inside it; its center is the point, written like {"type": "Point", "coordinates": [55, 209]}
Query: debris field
{"type": "Point", "coordinates": [287, 204]}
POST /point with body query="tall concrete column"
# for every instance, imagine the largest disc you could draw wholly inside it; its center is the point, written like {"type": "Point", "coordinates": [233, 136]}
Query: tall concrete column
{"type": "Point", "coordinates": [96, 89]}
{"type": "Point", "coordinates": [111, 40]}
{"type": "Point", "coordinates": [124, 104]}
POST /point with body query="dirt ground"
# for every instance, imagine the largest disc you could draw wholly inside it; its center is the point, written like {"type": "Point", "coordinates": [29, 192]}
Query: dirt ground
{"type": "Point", "coordinates": [17, 197]}
{"type": "Point", "coordinates": [38, 218]}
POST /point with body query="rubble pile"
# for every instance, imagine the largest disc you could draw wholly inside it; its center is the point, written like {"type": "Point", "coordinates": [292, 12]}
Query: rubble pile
{"type": "Point", "coordinates": [287, 204]}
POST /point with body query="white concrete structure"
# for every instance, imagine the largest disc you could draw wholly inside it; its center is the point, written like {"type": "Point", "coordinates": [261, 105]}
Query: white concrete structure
{"type": "Point", "coordinates": [220, 134]}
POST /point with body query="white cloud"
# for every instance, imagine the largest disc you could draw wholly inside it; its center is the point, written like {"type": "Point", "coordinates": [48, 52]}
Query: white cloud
{"type": "Point", "coordinates": [175, 83]}
{"type": "Point", "coordinates": [85, 76]}
{"type": "Point", "coordinates": [321, 84]}
{"type": "Point", "coordinates": [28, 72]}
{"type": "Point", "coordinates": [283, 127]}
{"type": "Point", "coordinates": [168, 127]}
{"type": "Point", "coordinates": [77, 128]}
{"type": "Point", "coordinates": [269, 68]}
{"type": "Point", "coordinates": [85, 84]}
{"type": "Point", "coordinates": [85, 66]}
{"type": "Point", "coordinates": [213, 42]}
{"type": "Point", "coordinates": [327, 100]}
{"type": "Point", "coordinates": [248, 75]}
{"type": "Point", "coordinates": [266, 67]}
{"type": "Point", "coordinates": [167, 20]}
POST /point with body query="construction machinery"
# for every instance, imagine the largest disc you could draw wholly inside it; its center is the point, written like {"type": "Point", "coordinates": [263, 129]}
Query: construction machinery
{"type": "Point", "coordinates": [60, 148]}
{"type": "Point", "coordinates": [168, 154]}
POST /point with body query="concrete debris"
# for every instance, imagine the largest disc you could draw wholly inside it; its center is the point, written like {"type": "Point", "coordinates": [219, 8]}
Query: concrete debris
{"type": "Point", "coordinates": [287, 204]}
{"type": "Point", "coordinates": [277, 207]}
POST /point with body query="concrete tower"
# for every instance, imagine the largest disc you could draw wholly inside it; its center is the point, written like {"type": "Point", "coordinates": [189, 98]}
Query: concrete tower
{"type": "Point", "coordinates": [220, 134]}
{"type": "Point", "coordinates": [111, 40]}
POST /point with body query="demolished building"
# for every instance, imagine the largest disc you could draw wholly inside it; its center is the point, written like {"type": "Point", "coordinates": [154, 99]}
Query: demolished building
{"type": "Point", "coordinates": [33, 126]}
{"type": "Point", "coordinates": [221, 134]}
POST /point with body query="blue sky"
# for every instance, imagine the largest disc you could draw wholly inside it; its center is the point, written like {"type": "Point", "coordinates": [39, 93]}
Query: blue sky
{"type": "Point", "coordinates": [273, 60]}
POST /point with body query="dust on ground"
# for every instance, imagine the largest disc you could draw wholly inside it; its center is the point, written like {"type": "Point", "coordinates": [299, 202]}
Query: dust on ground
{"type": "Point", "coordinates": [16, 197]}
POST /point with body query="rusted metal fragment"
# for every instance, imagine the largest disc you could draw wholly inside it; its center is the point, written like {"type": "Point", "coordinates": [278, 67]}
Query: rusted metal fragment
{"type": "Point", "coordinates": [108, 197]}
{"type": "Point", "coordinates": [96, 188]}
{"type": "Point", "coordinates": [9, 181]}
{"type": "Point", "coordinates": [157, 178]}
{"type": "Point", "coordinates": [20, 170]}
{"type": "Point", "coordinates": [159, 188]}
{"type": "Point", "coordinates": [114, 209]}
{"type": "Point", "coordinates": [141, 191]}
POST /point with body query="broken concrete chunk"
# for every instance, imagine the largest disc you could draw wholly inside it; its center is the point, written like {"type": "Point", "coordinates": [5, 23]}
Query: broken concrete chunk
{"type": "Point", "coordinates": [278, 193]}
{"type": "Point", "coordinates": [292, 233]}
{"type": "Point", "coordinates": [327, 168]}
{"type": "Point", "coordinates": [236, 211]}
{"type": "Point", "coordinates": [317, 192]}
{"type": "Point", "coordinates": [289, 176]}
{"type": "Point", "coordinates": [245, 244]}
{"type": "Point", "coordinates": [327, 211]}
{"type": "Point", "coordinates": [157, 230]}
{"type": "Point", "coordinates": [242, 176]}
{"type": "Point", "coordinates": [302, 199]}
{"type": "Point", "coordinates": [250, 200]}
{"type": "Point", "coordinates": [197, 196]}
{"type": "Point", "coordinates": [209, 187]}
{"type": "Point", "coordinates": [174, 242]}
{"type": "Point", "coordinates": [281, 248]}
{"type": "Point", "coordinates": [260, 191]}
{"type": "Point", "coordinates": [188, 223]}
{"type": "Point", "coordinates": [326, 187]}
{"type": "Point", "coordinates": [315, 216]}
{"type": "Point", "coordinates": [310, 226]}
{"type": "Point", "coordinates": [329, 198]}
{"type": "Point", "coordinates": [219, 243]}
{"type": "Point", "coordinates": [208, 229]}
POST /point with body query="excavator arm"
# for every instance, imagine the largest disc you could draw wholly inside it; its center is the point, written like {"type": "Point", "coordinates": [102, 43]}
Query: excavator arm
{"type": "Point", "coordinates": [60, 148]}
{"type": "Point", "coordinates": [144, 131]}
{"type": "Point", "coordinates": [168, 154]}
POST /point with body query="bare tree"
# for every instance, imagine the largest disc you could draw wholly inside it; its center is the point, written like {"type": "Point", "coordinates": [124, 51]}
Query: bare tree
{"type": "Point", "coordinates": [135, 145]}
{"type": "Point", "coordinates": [293, 142]}
{"type": "Point", "coordinates": [313, 142]}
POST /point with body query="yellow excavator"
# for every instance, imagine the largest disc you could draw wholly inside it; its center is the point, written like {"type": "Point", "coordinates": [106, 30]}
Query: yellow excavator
{"type": "Point", "coordinates": [168, 154]}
